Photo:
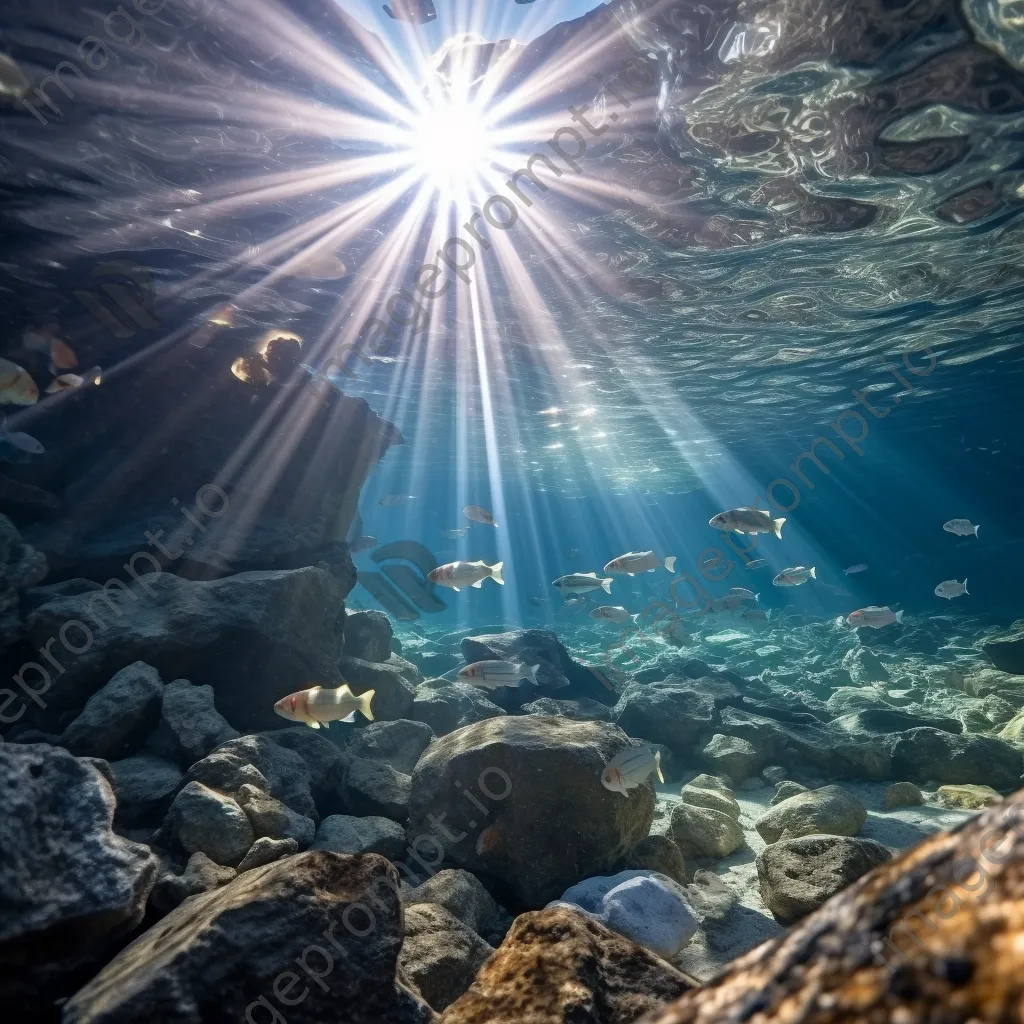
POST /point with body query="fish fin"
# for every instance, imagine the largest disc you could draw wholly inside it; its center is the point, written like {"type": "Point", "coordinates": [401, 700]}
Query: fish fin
{"type": "Point", "coordinates": [777, 527]}
{"type": "Point", "coordinates": [313, 725]}
{"type": "Point", "coordinates": [976, 529]}
{"type": "Point", "coordinates": [532, 674]}
{"type": "Point", "coordinates": [606, 585]}
{"type": "Point", "coordinates": [757, 598]}
{"type": "Point", "coordinates": [670, 563]}
{"type": "Point", "coordinates": [496, 573]}
{"type": "Point", "coordinates": [899, 615]}
{"type": "Point", "coordinates": [635, 617]}
{"type": "Point", "coordinates": [657, 765]}
{"type": "Point", "coordinates": [814, 575]}
{"type": "Point", "coordinates": [966, 591]}
{"type": "Point", "coordinates": [594, 574]}
{"type": "Point", "coordinates": [477, 585]}
{"type": "Point", "coordinates": [366, 703]}
{"type": "Point", "coordinates": [348, 718]}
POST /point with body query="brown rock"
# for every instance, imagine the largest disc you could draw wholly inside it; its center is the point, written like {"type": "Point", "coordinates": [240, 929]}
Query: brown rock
{"type": "Point", "coordinates": [935, 935]}
{"type": "Point", "coordinates": [557, 966]}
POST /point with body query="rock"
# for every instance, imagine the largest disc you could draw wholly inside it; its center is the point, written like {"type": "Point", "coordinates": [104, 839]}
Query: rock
{"type": "Point", "coordinates": [529, 772]}
{"type": "Point", "coordinates": [658, 853]}
{"type": "Point", "coordinates": [556, 966]}
{"type": "Point", "coordinates": [190, 725]}
{"type": "Point", "coordinates": [260, 762]}
{"type": "Point", "coordinates": [797, 876]}
{"type": "Point", "coordinates": [880, 720]}
{"type": "Point", "coordinates": [967, 797]}
{"type": "Point", "coordinates": [1013, 730]}
{"type": "Point", "coordinates": [117, 718]}
{"type": "Point", "coordinates": [710, 791]}
{"type": "Point", "coordinates": [671, 713]}
{"type": "Point", "coordinates": [200, 875]}
{"type": "Point", "coordinates": [69, 887]}
{"type": "Point", "coordinates": [774, 774]}
{"type": "Point", "coordinates": [143, 786]}
{"type": "Point", "coordinates": [393, 681]}
{"type": "Point", "coordinates": [251, 949]}
{"type": "Point", "coordinates": [452, 707]}
{"type": "Point", "coordinates": [463, 895]}
{"type": "Point", "coordinates": [276, 631]}
{"type": "Point", "coordinates": [825, 811]}
{"type": "Point", "coordinates": [398, 743]}
{"type": "Point", "coordinates": [343, 833]}
{"type": "Point", "coordinates": [21, 567]}
{"type": "Point", "coordinates": [440, 954]}
{"type": "Point", "coordinates": [265, 851]}
{"type": "Point", "coordinates": [902, 794]}
{"type": "Point", "coordinates": [202, 819]}
{"type": "Point", "coordinates": [864, 666]}
{"type": "Point", "coordinates": [582, 710]}
{"type": "Point", "coordinates": [368, 636]}
{"type": "Point", "coordinates": [908, 942]}
{"type": "Point", "coordinates": [324, 762]}
{"type": "Point", "coordinates": [923, 754]}
{"type": "Point", "coordinates": [1006, 652]}
{"type": "Point", "coordinates": [375, 788]}
{"type": "Point", "coordinates": [784, 790]}
{"type": "Point", "coordinates": [270, 817]}
{"type": "Point", "coordinates": [649, 908]}
{"type": "Point", "coordinates": [704, 832]}
{"type": "Point", "coordinates": [711, 897]}
{"type": "Point", "coordinates": [749, 785]}
{"type": "Point", "coordinates": [737, 757]}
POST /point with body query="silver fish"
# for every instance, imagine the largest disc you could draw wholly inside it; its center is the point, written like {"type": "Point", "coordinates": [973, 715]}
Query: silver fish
{"type": "Point", "coordinates": [747, 520]}
{"type": "Point", "coordinates": [630, 767]}
{"type": "Point", "coordinates": [795, 576]}
{"type": "Point", "coordinates": [743, 594]}
{"type": "Point", "coordinates": [961, 528]}
{"type": "Point", "coordinates": [614, 613]}
{"type": "Point", "coordinates": [756, 563]}
{"type": "Point", "coordinates": [873, 617]}
{"type": "Point", "coordinates": [633, 562]}
{"type": "Point", "coordinates": [490, 675]}
{"type": "Point", "coordinates": [859, 567]}
{"type": "Point", "coordinates": [479, 515]}
{"type": "Point", "coordinates": [582, 583]}
{"type": "Point", "coordinates": [951, 588]}
{"type": "Point", "coordinates": [465, 574]}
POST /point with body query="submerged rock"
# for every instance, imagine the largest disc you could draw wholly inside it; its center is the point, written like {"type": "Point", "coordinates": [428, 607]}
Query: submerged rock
{"type": "Point", "coordinates": [902, 794]}
{"type": "Point", "coordinates": [501, 786]}
{"type": "Point", "coordinates": [797, 876]}
{"type": "Point", "coordinates": [21, 567]}
{"type": "Point", "coordinates": [463, 895]}
{"type": "Point", "coordinates": [368, 636]}
{"type": "Point", "coordinates": [968, 798]}
{"type": "Point", "coordinates": [143, 785]}
{"type": "Point", "coordinates": [375, 788]}
{"type": "Point", "coordinates": [672, 713]}
{"type": "Point", "coordinates": [393, 681]}
{"type": "Point", "coordinates": [255, 945]}
{"type": "Point", "coordinates": [201, 819]}
{"type": "Point", "coordinates": [271, 818]}
{"type": "Point", "coordinates": [557, 965]}
{"type": "Point", "coordinates": [735, 756]}
{"type": "Point", "coordinates": [658, 853]}
{"type": "Point", "coordinates": [784, 790]}
{"type": "Point", "coordinates": [190, 724]}
{"type": "Point", "coordinates": [1006, 652]}
{"type": "Point", "coordinates": [343, 833]}
{"type": "Point", "coordinates": [200, 875]}
{"type": "Point", "coordinates": [710, 791]}
{"type": "Point", "coordinates": [704, 832]}
{"type": "Point", "coordinates": [582, 710]}
{"type": "Point", "coordinates": [265, 851]}
{"type": "Point", "coordinates": [452, 707]}
{"type": "Point", "coordinates": [399, 743]}
{"type": "Point", "coordinates": [921, 755]}
{"type": "Point", "coordinates": [829, 811]}
{"type": "Point", "coordinates": [69, 887]}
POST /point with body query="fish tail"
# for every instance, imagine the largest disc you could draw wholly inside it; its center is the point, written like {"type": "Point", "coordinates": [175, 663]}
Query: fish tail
{"type": "Point", "coordinates": [531, 673]}
{"type": "Point", "coordinates": [635, 617]}
{"type": "Point", "coordinates": [757, 598]}
{"type": "Point", "coordinates": [777, 525]}
{"type": "Point", "coordinates": [606, 585]}
{"type": "Point", "coordinates": [814, 574]}
{"type": "Point", "coordinates": [670, 563]}
{"type": "Point", "coordinates": [976, 529]}
{"type": "Point", "coordinates": [899, 615]}
{"type": "Point", "coordinates": [496, 573]}
{"type": "Point", "coordinates": [365, 703]}
{"type": "Point", "coordinates": [657, 765]}
{"type": "Point", "coordinates": [966, 591]}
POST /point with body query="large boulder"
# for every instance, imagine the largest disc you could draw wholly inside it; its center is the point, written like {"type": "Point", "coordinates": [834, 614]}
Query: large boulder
{"type": "Point", "coordinates": [399, 743]}
{"type": "Point", "coordinates": [558, 965]}
{"type": "Point", "coordinates": [674, 713]}
{"type": "Point", "coordinates": [711, 791]}
{"type": "Point", "coordinates": [368, 635]}
{"type": "Point", "coordinates": [375, 788]}
{"type": "Point", "coordinates": [303, 940]}
{"type": "Point", "coordinates": [464, 896]}
{"type": "Point", "coordinates": [737, 757]}
{"type": "Point", "coordinates": [798, 875]}
{"type": "Point", "coordinates": [69, 887]}
{"type": "Point", "coordinates": [254, 637]}
{"type": "Point", "coordinates": [828, 811]}
{"type": "Point", "coordinates": [344, 833]}
{"type": "Point", "coordinates": [118, 717]}
{"type": "Point", "coordinates": [1006, 652]}
{"type": "Point", "coordinates": [393, 681]}
{"type": "Point", "coordinates": [925, 755]}
{"type": "Point", "coordinates": [504, 785]}
{"type": "Point", "coordinates": [452, 706]}
{"type": "Point", "coordinates": [143, 785]}
{"type": "Point", "coordinates": [190, 724]}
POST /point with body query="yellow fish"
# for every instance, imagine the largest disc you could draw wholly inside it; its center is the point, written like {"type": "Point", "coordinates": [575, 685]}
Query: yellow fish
{"type": "Point", "coordinates": [16, 385]}
{"type": "Point", "coordinates": [317, 706]}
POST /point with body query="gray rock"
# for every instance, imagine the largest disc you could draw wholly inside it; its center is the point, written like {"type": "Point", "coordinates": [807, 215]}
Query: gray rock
{"type": "Point", "coordinates": [864, 666]}
{"type": "Point", "coordinates": [324, 761]}
{"type": "Point", "coordinates": [375, 788]}
{"type": "Point", "coordinates": [202, 819]}
{"type": "Point", "coordinates": [673, 713]}
{"type": "Point", "coordinates": [710, 791]}
{"type": "Point", "coordinates": [1006, 652]}
{"type": "Point", "coordinates": [749, 785]}
{"type": "Point", "coordinates": [528, 773]}
{"type": "Point", "coordinates": [440, 954]}
{"type": "Point", "coordinates": [117, 718]}
{"type": "Point", "coordinates": [902, 794]}
{"type": "Point", "coordinates": [393, 681]}
{"type": "Point", "coordinates": [920, 755]}
{"type": "Point", "coordinates": [582, 710]}
{"type": "Point", "coordinates": [265, 851]}
{"type": "Point", "coordinates": [798, 875]}
{"type": "Point", "coordinates": [735, 756]}
{"type": "Point", "coordinates": [344, 833]}
{"type": "Point", "coordinates": [452, 707]}
{"type": "Point", "coordinates": [825, 811]}
{"type": "Point", "coordinates": [21, 567]}
{"type": "Point", "coordinates": [463, 895]}
{"type": "Point", "coordinates": [143, 785]}
{"type": "Point", "coordinates": [232, 952]}
{"type": "Point", "coordinates": [775, 774]}
{"type": "Point", "coordinates": [397, 743]}
{"type": "Point", "coordinates": [658, 853]}
{"type": "Point", "coordinates": [69, 887]}
{"type": "Point", "coordinates": [704, 832]}
{"type": "Point", "coordinates": [200, 875]}
{"type": "Point", "coordinates": [190, 724]}
{"type": "Point", "coordinates": [274, 819]}
{"type": "Point", "coordinates": [368, 636]}
{"type": "Point", "coordinates": [784, 790]}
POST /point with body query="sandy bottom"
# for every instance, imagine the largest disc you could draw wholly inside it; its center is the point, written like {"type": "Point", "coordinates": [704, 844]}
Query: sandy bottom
{"type": "Point", "coordinates": [749, 922]}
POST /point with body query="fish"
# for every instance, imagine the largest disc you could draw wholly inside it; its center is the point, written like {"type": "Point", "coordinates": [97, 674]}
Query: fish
{"type": "Point", "coordinates": [13, 83]}
{"type": "Point", "coordinates": [363, 544]}
{"type": "Point", "coordinates": [743, 594]}
{"type": "Point", "coordinates": [479, 515]}
{"type": "Point", "coordinates": [391, 500]}
{"type": "Point", "coordinates": [65, 381]}
{"type": "Point", "coordinates": [961, 527]}
{"type": "Point", "coordinates": [317, 706]}
{"type": "Point", "coordinates": [873, 617]}
{"type": "Point", "coordinates": [60, 353]}
{"type": "Point", "coordinates": [575, 601]}
{"type": "Point", "coordinates": [747, 520]}
{"type": "Point", "coordinates": [490, 675]}
{"type": "Point", "coordinates": [465, 574]}
{"type": "Point", "coordinates": [633, 562]}
{"type": "Point", "coordinates": [16, 385]}
{"type": "Point", "coordinates": [859, 567]}
{"type": "Point", "coordinates": [223, 317]}
{"type": "Point", "coordinates": [756, 563]}
{"type": "Point", "coordinates": [614, 613]}
{"type": "Point", "coordinates": [755, 615]}
{"type": "Point", "coordinates": [795, 576]}
{"type": "Point", "coordinates": [630, 767]}
{"type": "Point", "coordinates": [17, 439]}
{"type": "Point", "coordinates": [951, 588]}
{"type": "Point", "coordinates": [456, 533]}
{"type": "Point", "coordinates": [582, 583]}
{"type": "Point", "coordinates": [418, 12]}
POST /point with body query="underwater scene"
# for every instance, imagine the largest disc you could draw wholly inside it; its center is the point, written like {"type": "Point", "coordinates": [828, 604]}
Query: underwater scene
{"type": "Point", "coordinates": [510, 511]}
